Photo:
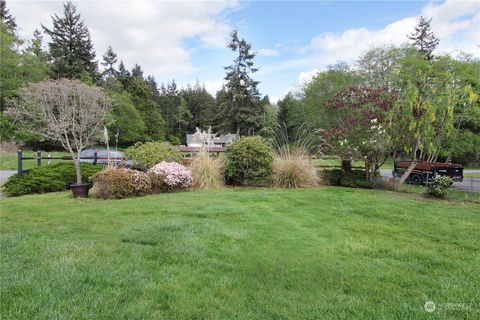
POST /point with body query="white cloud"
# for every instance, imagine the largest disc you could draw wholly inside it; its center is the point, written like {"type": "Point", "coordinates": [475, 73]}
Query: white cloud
{"type": "Point", "coordinates": [456, 23]}
{"type": "Point", "coordinates": [268, 52]}
{"type": "Point", "coordinates": [151, 33]}
{"type": "Point", "coordinates": [212, 86]}
{"type": "Point", "coordinates": [305, 77]}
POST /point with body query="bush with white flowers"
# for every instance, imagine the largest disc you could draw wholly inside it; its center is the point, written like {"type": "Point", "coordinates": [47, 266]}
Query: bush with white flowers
{"type": "Point", "coordinates": [169, 176]}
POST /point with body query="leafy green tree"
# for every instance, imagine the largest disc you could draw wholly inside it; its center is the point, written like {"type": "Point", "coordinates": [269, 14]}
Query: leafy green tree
{"type": "Point", "coordinates": [10, 61]}
{"type": "Point", "coordinates": [464, 143]}
{"type": "Point", "coordinates": [242, 111]}
{"type": "Point", "coordinates": [127, 120]}
{"type": "Point", "coordinates": [321, 89]}
{"type": "Point", "coordinates": [424, 39]}
{"type": "Point", "coordinates": [19, 67]}
{"type": "Point", "coordinates": [148, 107]}
{"type": "Point", "coordinates": [71, 49]}
{"type": "Point", "coordinates": [378, 66]}
{"type": "Point", "coordinates": [270, 118]}
{"type": "Point", "coordinates": [360, 117]}
{"type": "Point", "coordinates": [423, 115]}
{"type": "Point", "coordinates": [290, 114]}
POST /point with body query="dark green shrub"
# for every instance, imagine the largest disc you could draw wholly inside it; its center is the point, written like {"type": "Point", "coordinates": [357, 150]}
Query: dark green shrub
{"type": "Point", "coordinates": [120, 183]}
{"type": "Point", "coordinates": [151, 153]}
{"type": "Point", "coordinates": [56, 177]}
{"type": "Point", "coordinates": [352, 179]}
{"type": "Point", "coordinates": [332, 177]}
{"type": "Point", "coordinates": [356, 179]}
{"type": "Point", "coordinates": [439, 188]}
{"type": "Point", "coordinates": [249, 161]}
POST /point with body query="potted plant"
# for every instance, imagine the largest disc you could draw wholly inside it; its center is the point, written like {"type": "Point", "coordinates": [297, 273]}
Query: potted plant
{"type": "Point", "coordinates": [65, 111]}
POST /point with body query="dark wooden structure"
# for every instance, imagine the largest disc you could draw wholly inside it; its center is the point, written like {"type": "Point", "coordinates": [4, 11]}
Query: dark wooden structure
{"type": "Point", "coordinates": [425, 172]}
{"type": "Point", "coordinates": [39, 159]}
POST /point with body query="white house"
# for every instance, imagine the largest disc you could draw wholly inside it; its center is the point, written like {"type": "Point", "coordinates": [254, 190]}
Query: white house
{"type": "Point", "coordinates": [220, 141]}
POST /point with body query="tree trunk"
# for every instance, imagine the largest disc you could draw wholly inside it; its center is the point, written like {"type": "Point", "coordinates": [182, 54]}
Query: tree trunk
{"type": "Point", "coordinates": [407, 173]}
{"type": "Point", "coordinates": [238, 131]}
{"type": "Point", "coordinates": [414, 161]}
{"type": "Point", "coordinates": [346, 165]}
{"type": "Point", "coordinates": [76, 161]}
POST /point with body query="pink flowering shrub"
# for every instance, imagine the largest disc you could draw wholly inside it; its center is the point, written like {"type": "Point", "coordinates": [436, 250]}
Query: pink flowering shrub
{"type": "Point", "coordinates": [169, 176]}
{"type": "Point", "coordinates": [120, 183]}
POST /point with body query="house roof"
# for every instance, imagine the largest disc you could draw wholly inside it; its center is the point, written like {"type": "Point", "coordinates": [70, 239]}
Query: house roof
{"type": "Point", "coordinates": [229, 137]}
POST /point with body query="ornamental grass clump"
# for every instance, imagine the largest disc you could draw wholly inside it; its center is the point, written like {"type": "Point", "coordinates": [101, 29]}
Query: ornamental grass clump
{"type": "Point", "coordinates": [207, 172]}
{"type": "Point", "coordinates": [169, 176]}
{"type": "Point", "coordinates": [120, 183]}
{"type": "Point", "coordinates": [293, 166]}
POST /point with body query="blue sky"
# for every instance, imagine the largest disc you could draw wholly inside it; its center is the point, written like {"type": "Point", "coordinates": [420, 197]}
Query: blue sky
{"type": "Point", "coordinates": [185, 40]}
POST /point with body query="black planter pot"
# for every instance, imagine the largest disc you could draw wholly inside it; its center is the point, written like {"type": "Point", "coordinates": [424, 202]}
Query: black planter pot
{"type": "Point", "coordinates": [80, 190]}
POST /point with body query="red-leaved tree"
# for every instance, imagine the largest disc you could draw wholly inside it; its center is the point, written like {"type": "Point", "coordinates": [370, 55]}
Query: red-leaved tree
{"type": "Point", "coordinates": [358, 126]}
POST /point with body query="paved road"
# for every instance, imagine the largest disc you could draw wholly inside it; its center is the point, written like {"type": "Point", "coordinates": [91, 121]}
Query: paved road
{"type": "Point", "coordinates": [468, 184]}
{"type": "Point", "coordinates": [4, 174]}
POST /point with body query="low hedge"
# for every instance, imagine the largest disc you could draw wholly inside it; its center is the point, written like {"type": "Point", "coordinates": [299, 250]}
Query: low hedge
{"type": "Point", "coordinates": [56, 177]}
{"type": "Point", "coordinates": [352, 179]}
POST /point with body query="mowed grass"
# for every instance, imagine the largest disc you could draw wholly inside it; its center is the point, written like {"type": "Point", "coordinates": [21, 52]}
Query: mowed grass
{"type": "Point", "coordinates": [9, 160]}
{"type": "Point", "coordinates": [471, 175]}
{"type": "Point", "coordinates": [326, 253]}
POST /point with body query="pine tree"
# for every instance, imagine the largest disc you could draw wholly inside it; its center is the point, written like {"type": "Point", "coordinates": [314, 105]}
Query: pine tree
{"type": "Point", "coordinates": [242, 111]}
{"type": "Point", "coordinates": [36, 45]}
{"type": "Point", "coordinates": [123, 75]}
{"type": "Point", "coordinates": [424, 39]}
{"type": "Point", "coordinates": [137, 71]}
{"type": "Point", "coordinates": [71, 49]}
{"type": "Point", "coordinates": [109, 61]}
{"type": "Point", "coordinates": [7, 19]}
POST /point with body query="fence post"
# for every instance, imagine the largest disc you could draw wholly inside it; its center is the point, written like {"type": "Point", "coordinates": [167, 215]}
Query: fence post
{"type": "Point", "coordinates": [19, 162]}
{"type": "Point", "coordinates": [95, 157]}
{"type": "Point", "coordinates": [49, 160]}
{"type": "Point", "coordinates": [39, 158]}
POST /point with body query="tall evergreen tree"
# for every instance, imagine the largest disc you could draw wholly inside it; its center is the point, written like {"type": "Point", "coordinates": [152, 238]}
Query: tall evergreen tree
{"type": "Point", "coordinates": [71, 49]}
{"type": "Point", "coordinates": [424, 39]}
{"type": "Point", "coordinates": [7, 19]}
{"type": "Point", "coordinates": [201, 105]}
{"type": "Point", "coordinates": [242, 110]}
{"type": "Point", "coordinates": [36, 45]}
{"type": "Point", "coordinates": [123, 75]}
{"type": "Point", "coordinates": [137, 71]}
{"type": "Point", "coordinates": [109, 62]}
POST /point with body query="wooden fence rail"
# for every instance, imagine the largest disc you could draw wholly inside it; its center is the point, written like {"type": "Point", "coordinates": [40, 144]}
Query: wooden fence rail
{"type": "Point", "coordinates": [39, 159]}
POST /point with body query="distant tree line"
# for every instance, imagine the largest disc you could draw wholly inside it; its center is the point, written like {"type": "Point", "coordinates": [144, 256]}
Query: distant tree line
{"type": "Point", "coordinates": [143, 109]}
{"type": "Point", "coordinates": [393, 100]}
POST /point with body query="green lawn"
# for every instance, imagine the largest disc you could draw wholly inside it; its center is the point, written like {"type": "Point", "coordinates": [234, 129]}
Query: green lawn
{"type": "Point", "coordinates": [471, 175]}
{"type": "Point", "coordinates": [326, 253]}
{"type": "Point", "coordinates": [9, 160]}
